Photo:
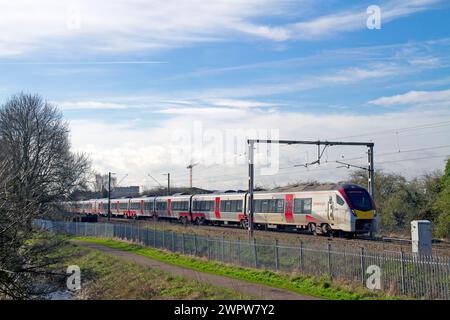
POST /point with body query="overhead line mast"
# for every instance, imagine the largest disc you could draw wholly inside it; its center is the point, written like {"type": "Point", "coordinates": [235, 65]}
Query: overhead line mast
{"type": "Point", "coordinates": [251, 144]}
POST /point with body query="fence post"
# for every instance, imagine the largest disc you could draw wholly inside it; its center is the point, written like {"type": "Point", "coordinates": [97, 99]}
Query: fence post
{"type": "Point", "coordinates": [139, 233]}
{"type": "Point", "coordinates": [402, 270]}
{"type": "Point", "coordinates": [239, 250]}
{"type": "Point", "coordinates": [173, 241]}
{"type": "Point", "coordinates": [182, 239]}
{"type": "Point", "coordinates": [223, 250]}
{"type": "Point", "coordinates": [277, 257]}
{"type": "Point", "coordinates": [154, 237]}
{"type": "Point", "coordinates": [329, 260]}
{"type": "Point", "coordinates": [163, 239]}
{"type": "Point", "coordinates": [301, 266]}
{"type": "Point", "coordinates": [209, 248]}
{"type": "Point", "coordinates": [195, 244]}
{"type": "Point", "coordinates": [362, 264]}
{"type": "Point", "coordinates": [256, 253]}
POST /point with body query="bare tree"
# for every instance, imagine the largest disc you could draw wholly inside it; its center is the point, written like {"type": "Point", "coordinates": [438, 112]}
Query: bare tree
{"type": "Point", "coordinates": [37, 169]}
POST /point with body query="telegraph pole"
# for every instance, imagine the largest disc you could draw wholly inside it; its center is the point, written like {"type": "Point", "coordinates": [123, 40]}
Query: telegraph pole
{"type": "Point", "coordinates": [371, 171]}
{"type": "Point", "coordinates": [109, 196]}
{"type": "Point", "coordinates": [251, 144]}
{"type": "Point", "coordinates": [168, 182]}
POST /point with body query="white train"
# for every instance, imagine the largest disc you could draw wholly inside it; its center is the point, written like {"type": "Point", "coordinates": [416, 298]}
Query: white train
{"type": "Point", "coordinates": [344, 208]}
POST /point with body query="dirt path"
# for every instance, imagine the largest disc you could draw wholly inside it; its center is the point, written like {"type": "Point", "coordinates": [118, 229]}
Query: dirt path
{"type": "Point", "coordinates": [261, 291]}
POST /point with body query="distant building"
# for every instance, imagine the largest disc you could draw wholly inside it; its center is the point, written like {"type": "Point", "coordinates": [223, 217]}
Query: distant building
{"type": "Point", "coordinates": [119, 192]}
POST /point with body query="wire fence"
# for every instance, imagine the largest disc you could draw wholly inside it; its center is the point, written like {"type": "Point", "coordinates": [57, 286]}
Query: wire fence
{"type": "Point", "coordinates": [418, 276]}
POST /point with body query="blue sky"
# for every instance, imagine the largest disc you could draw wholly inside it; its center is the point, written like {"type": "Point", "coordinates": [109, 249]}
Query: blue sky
{"type": "Point", "coordinates": [131, 75]}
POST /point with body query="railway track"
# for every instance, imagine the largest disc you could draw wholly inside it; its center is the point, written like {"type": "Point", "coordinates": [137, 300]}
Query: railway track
{"type": "Point", "coordinates": [440, 248]}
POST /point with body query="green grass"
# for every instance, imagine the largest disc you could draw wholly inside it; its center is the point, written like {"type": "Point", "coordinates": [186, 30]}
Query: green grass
{"type": "Point", "coordinates": [307, 285]}
{"type": "Point", "coordinates": [108, 277]}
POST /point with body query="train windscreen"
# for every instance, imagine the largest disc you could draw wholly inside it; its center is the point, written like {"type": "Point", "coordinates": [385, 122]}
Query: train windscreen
{"type": "Point", "coordinates": [360, 199]}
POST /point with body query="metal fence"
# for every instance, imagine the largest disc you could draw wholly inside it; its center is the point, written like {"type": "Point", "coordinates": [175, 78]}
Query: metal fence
{"type": "Point", "coordinates": [400, 273]}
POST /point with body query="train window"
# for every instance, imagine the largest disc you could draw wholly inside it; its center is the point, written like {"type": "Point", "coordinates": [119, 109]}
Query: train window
{"type": "Point", "coordinates": [135, 205]}
{"type": "Point", "coordinates": [302, 206]}
{"type": "Point", "coordinates": [123, 206]}
{"type": "Point", "coordinates": [258, 206]}
{"type": "Point", "coordinates": [339, 200]}
{"type": "Point", "coordinates": [272, 206]}
{"type": "Point", "coordinates": [264, 205]}
{"type": "Point", "coordinates": [233, 206]}
{"type": "Point", "coordinates": [307, 205]}
{"type": "Point", "coordinates": [280, 206]}
{"type": "Point", "coordinates": [161, 206]}
{"type": "Point", "coordinates": [178, 205]}
{"type": "Point", "coordinates": [227, 206]}
{"type": "Point", "coordinates": [298, 206]}
{"type": "Point", "coordinates": [238, 206]}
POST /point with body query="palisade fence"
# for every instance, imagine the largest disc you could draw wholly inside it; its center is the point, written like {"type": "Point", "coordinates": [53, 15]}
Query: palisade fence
{"type": "Point", "coordinates": [401, 273]}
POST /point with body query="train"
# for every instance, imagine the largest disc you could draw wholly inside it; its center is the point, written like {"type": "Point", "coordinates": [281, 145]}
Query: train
{"type": "Point", "coordinates": [347, 209]}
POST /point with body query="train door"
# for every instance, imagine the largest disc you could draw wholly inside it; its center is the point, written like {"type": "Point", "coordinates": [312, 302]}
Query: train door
{"type": "Point", "coordinates": [330, 209]}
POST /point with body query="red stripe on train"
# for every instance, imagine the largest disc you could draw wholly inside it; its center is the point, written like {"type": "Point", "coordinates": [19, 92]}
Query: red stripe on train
{"type": "Point", "coordinates": [217, 210]}
{"type": "Point", "coordinates": [288, 209]}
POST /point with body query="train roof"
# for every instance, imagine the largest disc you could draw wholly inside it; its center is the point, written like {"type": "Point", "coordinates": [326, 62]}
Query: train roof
{"type": "Point", "coordinates": [311, 187]}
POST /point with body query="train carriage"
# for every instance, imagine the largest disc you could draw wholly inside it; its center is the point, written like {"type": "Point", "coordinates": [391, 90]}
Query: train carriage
{"type": "Point", "coordinates": [141, 207]}
{"type": "Point", "coordinates": [163, 208]}
{"type": "Point", "coordinates": [347, 208]}
{"type": "Point", "coordinates": [203, 208]}
{"type": "Point", "coordinates": [180, 207]}
{"type": "Point", "coordinates": [123, 207]}
{"type": "Point", "coordinates": [321, 209]}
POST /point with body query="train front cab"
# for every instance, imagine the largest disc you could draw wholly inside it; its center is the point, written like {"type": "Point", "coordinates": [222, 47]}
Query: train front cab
{"type": "Point", "coordinates": [360, 209]}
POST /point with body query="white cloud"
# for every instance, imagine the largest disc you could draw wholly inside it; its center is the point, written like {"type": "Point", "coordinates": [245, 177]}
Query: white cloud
{"type": "Point", "coordinates": [140, 149]}
{"type": "Point", "coordinates": [81, 105]}
{"type": "Point", "coordinates": [85, 27]}
{"type": "Point", "coordinates": [243, 104]}
{"type": "Point", "coordinates": [355, 19]}
{"type": "Point", "coordinates": [415, 98]}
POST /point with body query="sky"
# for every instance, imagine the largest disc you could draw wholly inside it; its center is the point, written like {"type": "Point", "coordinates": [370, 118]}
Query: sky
{"type": "Point", "coordinates": [149, 87]}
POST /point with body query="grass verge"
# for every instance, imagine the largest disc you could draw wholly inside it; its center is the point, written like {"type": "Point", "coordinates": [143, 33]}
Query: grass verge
{"type": "Point", "coordinates": [307, 285]}
{"type": "Point", "coordinates": [107, 277]}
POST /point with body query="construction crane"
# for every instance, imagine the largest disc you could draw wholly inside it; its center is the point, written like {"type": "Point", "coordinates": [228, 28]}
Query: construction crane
{"type": "Point", "coordinates": [189, 167]}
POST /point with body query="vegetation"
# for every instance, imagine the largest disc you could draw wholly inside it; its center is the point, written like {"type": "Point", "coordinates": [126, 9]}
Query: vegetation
{"type": "Point", "coordinates": [37, 169]}
{"type": "Point", "coordinates": [308, 285]}
{"type": "Point", "coordinates": [107, 277]}
{"type": "Point", "coordinates": [442, 204]}
{"type": "Point", "coordinates": [400, 201]}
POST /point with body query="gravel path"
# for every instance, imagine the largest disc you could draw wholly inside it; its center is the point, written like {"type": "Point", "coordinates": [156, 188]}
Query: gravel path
{"type": "Point", "coordinates": [257, 290]}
